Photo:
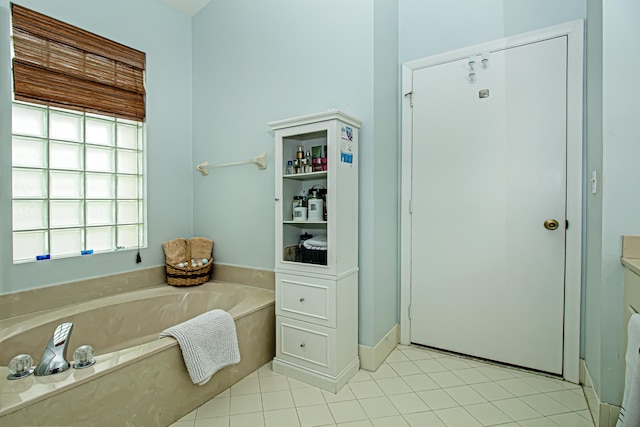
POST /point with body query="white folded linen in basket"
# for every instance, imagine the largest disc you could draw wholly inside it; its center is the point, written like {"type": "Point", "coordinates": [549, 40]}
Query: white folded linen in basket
{"type": "Point", "coordinates": [208, 343]}
{"type": "Point", "coordinates": [319, 242]}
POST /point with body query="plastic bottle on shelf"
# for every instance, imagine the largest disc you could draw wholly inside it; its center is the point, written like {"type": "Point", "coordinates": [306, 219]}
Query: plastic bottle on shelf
{"type": "Point", "coordinates": [289, 169]}
{"type": "Point", "coordinates": [309, 165]}
{"type": "Point", "coordinates": [300, 212]}
{"type": "Point", "coordinates": [315, 207]}
{"type": "Point", "coordinates": [297, 201]}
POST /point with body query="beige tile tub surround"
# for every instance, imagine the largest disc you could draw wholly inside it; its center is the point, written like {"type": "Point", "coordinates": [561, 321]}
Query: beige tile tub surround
{"type": "Point", "coordinates": [39, 299]}
{"type": "Point", "coordinates": [145, 384]}
{"type": "Point", "coordinates": [121, 321]}
{"type": "Point", "coordinates": [265, 279]}
{"type": "Point", "coordinates": [631, 246]}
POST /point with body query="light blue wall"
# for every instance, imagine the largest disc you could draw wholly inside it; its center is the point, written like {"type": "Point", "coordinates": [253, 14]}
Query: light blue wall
{"type": "Point", "coordinates": [621, 177]}
{"type": "Point", "coordinates": [255, 62]}
{"type": "Point", "coordinates": [432, 27]}
{"type": "Point", "coordinates": [612, 150]}
{"type": "Point", "coordinates": [165, 35]}
{"type": "Point", "coordinates": [380, 290]}
{"type": "Point", "coordinates": [592, 267]}
{"type": "Point", "coordinates": [259, 62]}
{"type": "Point", "coordinates": [526, 15]}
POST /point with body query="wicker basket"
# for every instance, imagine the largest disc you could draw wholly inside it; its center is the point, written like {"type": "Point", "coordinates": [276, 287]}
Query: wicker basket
{"type": "Point", "coordinates": [311, 256]}
{"type": "Point", "coordinates": [188, 276]}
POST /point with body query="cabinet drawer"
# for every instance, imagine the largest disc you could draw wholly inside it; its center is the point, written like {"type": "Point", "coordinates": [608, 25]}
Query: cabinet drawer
{"type": "Point", "coordinates": [305, 344]}
{"type": "Point", "coordinates": [306, 298]}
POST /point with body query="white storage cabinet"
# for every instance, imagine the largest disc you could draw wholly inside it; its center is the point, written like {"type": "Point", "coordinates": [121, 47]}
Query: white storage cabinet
{"type": "Point", "coordinates": [317, 299]}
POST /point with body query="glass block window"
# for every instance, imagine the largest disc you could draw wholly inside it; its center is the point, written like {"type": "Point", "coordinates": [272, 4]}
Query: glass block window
{"type": "Point", "coordinates": [78, 183]}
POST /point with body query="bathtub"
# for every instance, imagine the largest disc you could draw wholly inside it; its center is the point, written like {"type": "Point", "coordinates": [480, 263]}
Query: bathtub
{"type": "Point", "coordinates": [138, 379]}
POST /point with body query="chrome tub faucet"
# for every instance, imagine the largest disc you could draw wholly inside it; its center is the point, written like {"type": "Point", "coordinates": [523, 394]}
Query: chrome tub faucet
{"type": "Point", "coordinates": [54, 359]}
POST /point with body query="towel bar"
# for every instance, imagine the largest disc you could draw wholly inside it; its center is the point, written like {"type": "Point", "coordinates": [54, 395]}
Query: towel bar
{"type": "Point", "coordinates": [260, 161]}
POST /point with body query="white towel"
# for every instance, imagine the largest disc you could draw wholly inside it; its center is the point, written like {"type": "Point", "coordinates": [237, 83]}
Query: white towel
{"type": "Point", "coordinates": [208, 343]}
{"type": "Point", "coordinates": [318, 242]}
{"type": "Point", "coordinates": [630, 412]}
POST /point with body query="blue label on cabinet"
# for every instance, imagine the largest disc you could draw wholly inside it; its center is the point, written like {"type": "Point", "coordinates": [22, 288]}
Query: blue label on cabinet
{"type": "Point", "coordinates": [346, 148]}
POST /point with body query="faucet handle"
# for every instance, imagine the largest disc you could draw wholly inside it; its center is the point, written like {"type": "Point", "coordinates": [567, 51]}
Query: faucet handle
{"type": "Point", "coordinates": [20, 367]}
{"type": "Point", "coordinates": [83, 357]}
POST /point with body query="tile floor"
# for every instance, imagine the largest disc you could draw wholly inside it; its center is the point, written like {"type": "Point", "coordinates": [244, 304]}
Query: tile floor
{"type": "Point", "coordinates": [414, 387]}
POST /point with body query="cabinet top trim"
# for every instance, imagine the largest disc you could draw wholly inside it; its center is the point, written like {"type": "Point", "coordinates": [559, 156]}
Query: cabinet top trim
{"type": "Point", "coordinates": [313, 118]}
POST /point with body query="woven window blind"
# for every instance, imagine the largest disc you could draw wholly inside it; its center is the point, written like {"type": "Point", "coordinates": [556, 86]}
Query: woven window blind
{"type": "Point", "coordinates": [61, 65]}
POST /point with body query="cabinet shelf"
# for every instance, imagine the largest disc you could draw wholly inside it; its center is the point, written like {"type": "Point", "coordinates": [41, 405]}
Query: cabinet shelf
{"type": "Point", "coordinates": [306, 176]}
{"type": "Point", "coordinates": [306, 264]}
{"type": "Point", "coordinates": [304, 223]}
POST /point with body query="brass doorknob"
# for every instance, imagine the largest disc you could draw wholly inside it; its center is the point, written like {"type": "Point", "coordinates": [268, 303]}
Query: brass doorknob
{"type": "Point", "coordinates": [551, 224]}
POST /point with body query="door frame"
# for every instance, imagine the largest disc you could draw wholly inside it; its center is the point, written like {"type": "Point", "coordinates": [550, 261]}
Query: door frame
{"type": "Point", "coordinates": [574, 31]}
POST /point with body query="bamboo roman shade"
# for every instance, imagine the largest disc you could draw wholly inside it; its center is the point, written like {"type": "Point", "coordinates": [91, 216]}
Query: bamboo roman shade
{"type": "Point", "coordinates": [60, 65]}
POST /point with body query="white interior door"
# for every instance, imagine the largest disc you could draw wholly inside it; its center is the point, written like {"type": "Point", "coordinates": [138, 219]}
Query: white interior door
{"type": "Point", "coordinates": [487, 277]}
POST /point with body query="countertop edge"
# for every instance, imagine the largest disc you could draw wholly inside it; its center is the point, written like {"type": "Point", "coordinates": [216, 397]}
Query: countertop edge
{"type": "Point", "coordinates": [632, 264]}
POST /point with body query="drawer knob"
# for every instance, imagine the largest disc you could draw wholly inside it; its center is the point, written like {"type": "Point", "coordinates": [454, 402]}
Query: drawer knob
{"type": "Point", "coordinates": [302, 345]}
{"type": "Point", "coordinates": [301, 299]}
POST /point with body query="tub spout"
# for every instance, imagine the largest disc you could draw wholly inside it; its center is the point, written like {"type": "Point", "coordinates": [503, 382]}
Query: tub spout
{"type": "Point", "coordinates": [54, 359]}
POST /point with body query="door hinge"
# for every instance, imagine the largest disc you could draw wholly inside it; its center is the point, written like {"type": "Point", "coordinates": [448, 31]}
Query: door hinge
{"type": "Point", "coordinates": [410, 206]}
{"type": "Point", "coordinates": [410, 306]}
{"type": "Point", "coordinates": [410, 95]}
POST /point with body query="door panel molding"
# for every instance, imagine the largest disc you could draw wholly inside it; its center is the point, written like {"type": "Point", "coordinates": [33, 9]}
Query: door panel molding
{"type": "Point", "coordinates": [575, 38]}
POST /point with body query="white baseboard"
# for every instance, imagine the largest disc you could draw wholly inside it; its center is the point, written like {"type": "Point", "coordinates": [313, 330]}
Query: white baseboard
{"type": "Point", "coordinates": [372, 357]}
{"type": "Point", "coordinates": [323, 381]}
{"type": "Point", "coordinates": [603, 414]}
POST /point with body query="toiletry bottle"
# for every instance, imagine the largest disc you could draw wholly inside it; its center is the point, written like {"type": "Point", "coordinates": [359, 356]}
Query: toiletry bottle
{"type": "Point", "coordinates": [309, 166]}
{"type": "Point", "coordinates": [300, 212]}
{"type": "Point", "coordinates": [315, 207]}
{"type": "Point", "coordinates": [297, 201]}
{"type": "Point", "coordinates": [289, 169]}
